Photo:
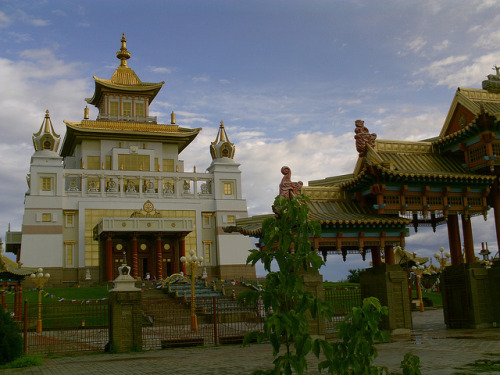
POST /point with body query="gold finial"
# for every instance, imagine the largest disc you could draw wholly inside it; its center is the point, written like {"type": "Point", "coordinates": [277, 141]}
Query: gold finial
{"type": "Point", "coordinates": [172, 118]}
{"type": "Point", "coordinates": [86, 113]}
{"type": "Point", "coordinates": [123, 54]}
{"type": "Point", "coordinates": [194, 169]}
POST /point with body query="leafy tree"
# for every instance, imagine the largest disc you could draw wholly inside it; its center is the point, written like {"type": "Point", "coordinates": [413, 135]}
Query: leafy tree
{"type": "Point", "coordinates": [11, 342]}
{"type": "Point", "coordinates": [286, 237]}
{"type": "Point", "coordinates": [355, 275]}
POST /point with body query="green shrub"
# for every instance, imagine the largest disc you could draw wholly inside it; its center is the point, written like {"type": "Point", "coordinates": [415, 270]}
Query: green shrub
{"type": "Point", "coordinates": [11, 342]}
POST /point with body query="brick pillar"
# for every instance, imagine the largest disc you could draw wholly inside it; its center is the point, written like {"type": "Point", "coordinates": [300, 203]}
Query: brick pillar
{"type": "Point", "coordinates": [454, 240]}
{"type": "Point", "coordinates": [159, 258]}
{"type": "Point", "coordinates": [182, 251]}
{"type": "Point", "coordinates": [109, 258]}
{"type": "Point", "coordinates": [389, 254]}
{"type": "Point", "coordinates": [313, 282]}
{"type": "Point", "coordinates": [125, 325]}
{"type": "Point", "coordinates": [468, 240]}
{"type": "Point", "coordinates": [135, 271]}
{"type": "Point", "coordinates": [376, 259]}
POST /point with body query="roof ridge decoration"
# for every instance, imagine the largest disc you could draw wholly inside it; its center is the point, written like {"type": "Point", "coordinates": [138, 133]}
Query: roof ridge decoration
{"type": "Point", "coordinates": [492, 84]}
{"type": "Point", "coordinates": [222, 147]}
{"type": "Point", "coordinates": [363, 137]}
{"type": "Point", "coordinates": [288, 188]}
{"type": "Point", "coordinates": [46, 138]}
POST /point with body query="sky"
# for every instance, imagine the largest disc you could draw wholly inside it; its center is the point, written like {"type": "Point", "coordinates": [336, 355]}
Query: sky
{"type": "Point", "coordinates": [288, 78]}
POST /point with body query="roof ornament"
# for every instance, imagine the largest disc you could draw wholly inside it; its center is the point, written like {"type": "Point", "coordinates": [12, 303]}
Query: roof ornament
{"type": "Point", "coordinates": [363, 137]}
{"type": "Point", "coordinates": [222, 147]}
{"type": "Point", "coordinates": [123, 54]}
{"type": "Point", "coordinates": [288, 188]}
{"type": "Point", "coordinates": [492, 84]}
{"type": "Point", "coordinates": [46, 138]}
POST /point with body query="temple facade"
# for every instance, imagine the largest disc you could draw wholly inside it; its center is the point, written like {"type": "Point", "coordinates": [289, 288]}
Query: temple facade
{"type": "Point", "coordinates": [117, 188]}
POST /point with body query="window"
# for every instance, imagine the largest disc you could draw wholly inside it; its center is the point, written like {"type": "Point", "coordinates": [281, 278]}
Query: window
{"type": "Point", "coordinates": [127, 109]}
{"type": "Point", "coordinates": [108, 162]}
{"type": "Point", "coordinates": [69, 220]}
{"type": "Point", "coordinates": [113, 108]}
{"type": "Point", "coordinates": [93, 162]}
{"type": "Point", "coordinates": [68, 249]}
{"type": "Point", "coordinates": [134, 162]}
{"type": "Point", "coordinates": [139, 109]}
{"type": "Point", "coordinates": [46, 217]}
{"type": "Point", "coordinates": [168, 165]}
{"type": "Point", "coordinates": [46, 183]}
{"type": "Point", "coordinates": [207, 220]}
{"type": "Point", "coordinates": [231, 219]}
{"type": "Point", "coordinates": [228, 189]}
{"type": "Point", "coordinates": [207, 247]}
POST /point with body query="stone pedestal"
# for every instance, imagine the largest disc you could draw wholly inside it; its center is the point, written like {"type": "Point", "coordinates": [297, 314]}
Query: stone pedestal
{"type": "Point", "coordinates": [314, 283]}
{"type": "Point", "coordinates": [470, 295]}
{"type": "Point", "coordinates": [389, 284]}
{"type": "Point", "coordinates": [125, 312]}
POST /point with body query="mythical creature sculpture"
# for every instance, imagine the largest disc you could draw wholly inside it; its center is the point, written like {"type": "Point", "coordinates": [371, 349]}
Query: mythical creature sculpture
{"type": "Point", "coordinates": [288, 188]}
{"type": "Point", "coordinates": [363, 137]}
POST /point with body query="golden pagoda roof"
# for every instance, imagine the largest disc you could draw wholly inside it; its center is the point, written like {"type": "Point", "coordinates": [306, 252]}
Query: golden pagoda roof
{"type": "Point", "coordinates": [76, 131]}
{"type": "Point", "coordinates": [8, 265]}
{"type": "Point", "coordinates": [124, 80]}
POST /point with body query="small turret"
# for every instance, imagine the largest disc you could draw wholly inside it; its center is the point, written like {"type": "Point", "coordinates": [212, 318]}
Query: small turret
{"type": "Point", "coordinates": [46, 138]}
{"type": "Point", "coordinates": [222, 147]}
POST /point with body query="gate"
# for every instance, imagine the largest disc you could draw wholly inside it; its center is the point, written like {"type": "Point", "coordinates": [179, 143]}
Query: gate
{"type": "Point", "coordinates": [342, 301]}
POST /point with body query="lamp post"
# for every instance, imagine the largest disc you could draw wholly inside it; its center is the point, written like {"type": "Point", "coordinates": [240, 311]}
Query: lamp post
{"type": "Point", "coordinates": [39, 279]}
{"type": "Point", "coordinates": [193, 261]}
{"type": "Point", "coordinates": [442, 258]}
{"type": "Point", "coordinates": [418, 270]}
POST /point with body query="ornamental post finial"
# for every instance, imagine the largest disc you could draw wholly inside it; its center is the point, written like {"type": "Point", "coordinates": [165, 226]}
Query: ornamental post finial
{"type": "Point", "coordinates": [363, 138]}
{"type": "Point", "coordinates": [288, 188]}
{"type": "Point", "coordinates": [123, 54]}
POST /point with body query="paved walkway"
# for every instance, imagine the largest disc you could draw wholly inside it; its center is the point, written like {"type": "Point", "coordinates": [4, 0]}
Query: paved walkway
{"type": "Point", "coordinates": [441, 351]}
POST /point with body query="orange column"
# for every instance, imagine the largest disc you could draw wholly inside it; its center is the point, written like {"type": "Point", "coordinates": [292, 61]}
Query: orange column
{"type": "Point", "coordinates": [109, 258]}
{"type": "Point", "coordinates": [182, 251]}
{"type": "Point", "coordinates": [468, 240]}
{"type": "Point", "coordinates": [16, 301]}
{"type": "Point", "coordinates": [135, 271]}
{"type": "Point", "coordinates": [389, 254]}
{"type": "Point", "coordinates": [454, 240]}
{"type": "Point", "coordinates": [376, 259]}
{"type": "Point", "coordinates": [159, 259]}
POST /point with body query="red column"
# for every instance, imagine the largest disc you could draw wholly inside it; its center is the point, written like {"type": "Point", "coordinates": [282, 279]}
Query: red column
{"type": "Point", "coordinates": [496, 209]}
{"type": "Point", "coordinates": [16, 301]}
{"type": "Point", "coordinates": [389, 254]}
{"type": "Point", "coordinates": [376, 259]}
{"type": "Point", "coordinates": [182, 251]}
{"type": "Point", "coordinates": [109, 258]}
{"type": "Point", "coordinates": [135, 271]}
{"type": "Point", "coordinates": [454, 240]}
{"type": "Point", "coordinates": [468, 240]}
{"type": "Point", "coordinates": [20, 303]}
{"type": "Point", "coordinates": [159, 259]}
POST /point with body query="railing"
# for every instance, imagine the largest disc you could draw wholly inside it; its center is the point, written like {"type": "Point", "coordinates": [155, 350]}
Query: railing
{"type": "Point", "coordinates": [221, 320]}
{"type": "Point", "coordinates": [342, 300]}
{"type": "Point", "coordinates": [149, 119]}
{"type": "Point", "coordinates": [88, 182]}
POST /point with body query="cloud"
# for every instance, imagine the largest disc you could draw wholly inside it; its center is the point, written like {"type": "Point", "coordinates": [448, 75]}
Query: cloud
{"type": "Point", "coordinates": [442, 45]}
{"type": "Point", "coordinates": [4, 20]}
{"type": "Point", "coordinates": [158, 69]}
{"type": "Point", "coordinates": [203, 78]}
{"type": "Point", "coordinates": [20, 38]}
{"type": "Point", "coordinates": [416, 45]}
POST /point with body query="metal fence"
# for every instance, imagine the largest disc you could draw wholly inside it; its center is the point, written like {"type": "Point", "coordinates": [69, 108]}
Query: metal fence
{"type": "Point", "coordinates": [342, 300]}
{"type": "Point", "coordinates": [64, 327]}
{"type": "Point", "coordinates": [221, 320]}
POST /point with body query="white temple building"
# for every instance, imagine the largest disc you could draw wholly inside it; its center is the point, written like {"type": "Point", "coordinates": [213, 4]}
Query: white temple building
{"type": "Point", "coordinates": [117, 188]}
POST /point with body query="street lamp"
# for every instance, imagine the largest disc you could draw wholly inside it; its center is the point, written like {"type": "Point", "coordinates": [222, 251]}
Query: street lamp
{"type": "Point", "coordinates": [442, 258]}
{"type": "Point", "coordinates": [418, 270]}
{"type": "Point", "coordinates": [39, 279]}
{"type": "Point", "coordinates": [193, 262]}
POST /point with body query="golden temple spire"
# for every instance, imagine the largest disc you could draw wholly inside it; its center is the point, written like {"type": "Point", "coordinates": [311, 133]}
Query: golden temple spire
{"type": "Point", "coordinates": [123, 54]}
{"type": "Point", "coordinates": [46, 138]}
{"type": "Point", "coordinates": [222, 147]}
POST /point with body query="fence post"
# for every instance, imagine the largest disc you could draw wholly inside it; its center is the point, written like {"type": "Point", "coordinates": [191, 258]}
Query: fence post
{"type": "Point", "coordinates": [25, 327]}
{"type": "Point", "coordinates": [214, 316]}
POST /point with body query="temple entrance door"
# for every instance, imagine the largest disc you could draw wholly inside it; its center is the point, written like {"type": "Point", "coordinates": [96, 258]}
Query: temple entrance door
{"type": "Point", "coordinates": [145, 268]}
